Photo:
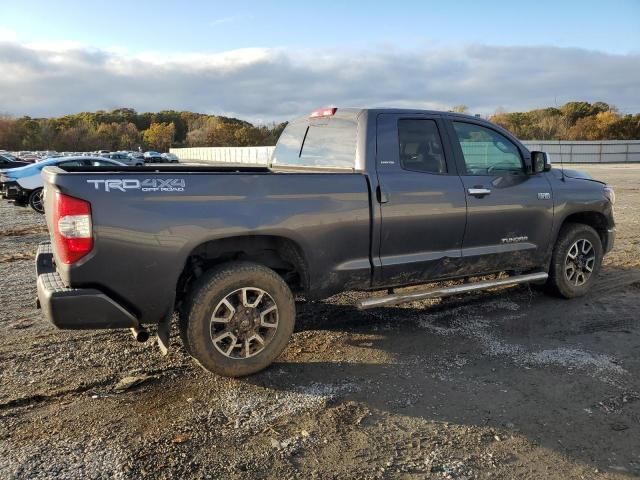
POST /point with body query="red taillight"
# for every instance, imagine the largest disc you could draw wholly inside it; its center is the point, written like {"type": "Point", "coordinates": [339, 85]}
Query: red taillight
{"type": "Point", "coordinates": [72, 228]}
{"type": "Point", "coordinates": [324, 112]}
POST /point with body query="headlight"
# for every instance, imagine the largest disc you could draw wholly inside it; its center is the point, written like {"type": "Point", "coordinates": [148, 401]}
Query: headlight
{"type": "Point", "coordinates": [4, 179]}
{"type": "Point", "coordinates": [610, 194]}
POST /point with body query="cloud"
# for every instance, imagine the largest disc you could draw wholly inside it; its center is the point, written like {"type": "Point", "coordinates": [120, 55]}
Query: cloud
{"type": "Point", "coordinates": [229, 19]}
{"type": "Point", "coordinates": [275, 84]}
{"type": "Point", "coordinates": [7, 34]}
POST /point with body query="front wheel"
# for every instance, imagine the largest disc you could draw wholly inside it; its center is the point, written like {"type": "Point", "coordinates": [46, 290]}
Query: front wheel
{"type": "Point", "coordinates": [238, 319]}
{"type": "Point", "coordinates": [576, 260]}
{"type": "Point", "coordinates": [36, 200]}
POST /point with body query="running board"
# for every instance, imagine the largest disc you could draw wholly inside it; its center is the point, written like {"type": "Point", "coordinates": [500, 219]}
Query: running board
{"type": "Point", "coordinates": [373, 302]}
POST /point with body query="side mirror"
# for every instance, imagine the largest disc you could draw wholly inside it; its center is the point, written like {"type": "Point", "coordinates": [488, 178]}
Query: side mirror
{"type": "Point", "coordinates": [540, 162]}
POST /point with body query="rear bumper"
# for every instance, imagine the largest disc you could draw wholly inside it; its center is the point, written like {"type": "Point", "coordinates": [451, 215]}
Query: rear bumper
{"type": "Point", "coordinates": [75, 308]}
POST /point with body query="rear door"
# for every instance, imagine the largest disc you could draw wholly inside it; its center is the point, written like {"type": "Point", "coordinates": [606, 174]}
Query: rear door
{"type": "Point", "coordinates": [509, 212]}
{"type": "Point", "coordinates": [421, 199]}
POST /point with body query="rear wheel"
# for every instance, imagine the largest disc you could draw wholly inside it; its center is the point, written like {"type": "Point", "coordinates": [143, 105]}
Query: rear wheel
{"type": "Point", "coordinates": [36, 200]}
{"type": "Point", "coordinates": [238, 319]}
{"type": "Point", "coordinates": [576, 260]}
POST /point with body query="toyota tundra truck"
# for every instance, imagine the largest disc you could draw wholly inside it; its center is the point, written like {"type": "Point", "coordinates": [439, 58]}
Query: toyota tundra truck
{"type": "Point", "coordinates": [353, 199]}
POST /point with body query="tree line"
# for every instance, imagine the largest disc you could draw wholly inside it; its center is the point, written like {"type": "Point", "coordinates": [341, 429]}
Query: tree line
{"type": "Point", "coordinates": [126, 129]}
{"type": "Point", "coordinates": [571, 121]}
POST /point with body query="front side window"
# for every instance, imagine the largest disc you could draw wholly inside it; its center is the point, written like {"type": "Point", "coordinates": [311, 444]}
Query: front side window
{"type": "Point", "coordinates": [420, 146]}
{"type": "Point", "coordinates": [487, 152]}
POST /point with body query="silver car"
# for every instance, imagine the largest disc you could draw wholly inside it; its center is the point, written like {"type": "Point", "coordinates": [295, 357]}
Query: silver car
{"type": "Point", "coordinates": [126, 158]}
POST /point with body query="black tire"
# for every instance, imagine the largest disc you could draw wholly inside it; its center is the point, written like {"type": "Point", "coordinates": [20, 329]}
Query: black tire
{"type": "Point", "coordinates": [36, 200]}
{"type": "Point", "coordinates": [209, 293]}
{"type": "Point", "coordinates": [561, 265]}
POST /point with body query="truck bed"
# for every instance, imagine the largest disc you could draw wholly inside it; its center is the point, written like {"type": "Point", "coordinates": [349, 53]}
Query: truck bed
{"type": "Point", "coordinates": [148, 220]}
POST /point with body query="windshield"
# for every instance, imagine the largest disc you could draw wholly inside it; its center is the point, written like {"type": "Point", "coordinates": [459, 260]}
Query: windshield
{"type": "Point", "coordinates": [325, 142]}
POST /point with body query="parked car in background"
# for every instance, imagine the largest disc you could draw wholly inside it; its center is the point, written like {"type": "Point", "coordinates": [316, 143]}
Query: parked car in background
{"type": "Point", "coordinates": [170, 157]}
{"type": "Point", "coordinates": [8, 161]}
{"type": "Point", "coordinates": [137, 155]}
{"type": "Point", "coordinates": [28, 157]}
{"type": "Point", "coordinates": [23, 185]}
{"type": "Point", "coordinates": [152, 157]}
{"type": "Point", "coordinates": [126, 158]}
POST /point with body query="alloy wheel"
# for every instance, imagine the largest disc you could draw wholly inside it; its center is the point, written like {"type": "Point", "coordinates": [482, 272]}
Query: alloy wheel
{"type": "Point", "coordinates": [579, 262]}
{"type": "Point", "coordinates": [244, 322]}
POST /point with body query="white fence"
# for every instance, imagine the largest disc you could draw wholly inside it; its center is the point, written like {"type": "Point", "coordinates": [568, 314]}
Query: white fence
{"type": "Point", "coordinates": [606, 151]}
{"type": "Point", "coordinates": [251, 155]}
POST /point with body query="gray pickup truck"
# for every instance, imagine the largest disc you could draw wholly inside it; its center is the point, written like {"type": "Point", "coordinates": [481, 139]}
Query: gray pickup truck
{"type": "Point", "coordinates": [354, 199]}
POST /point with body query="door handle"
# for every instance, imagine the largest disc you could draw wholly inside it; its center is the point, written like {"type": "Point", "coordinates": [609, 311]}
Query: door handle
{"type": "Point", "coordinates": [479, 192]}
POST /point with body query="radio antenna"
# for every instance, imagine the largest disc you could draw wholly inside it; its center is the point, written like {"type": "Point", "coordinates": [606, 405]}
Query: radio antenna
{"type": "Point", "coordinates": [561, 161]}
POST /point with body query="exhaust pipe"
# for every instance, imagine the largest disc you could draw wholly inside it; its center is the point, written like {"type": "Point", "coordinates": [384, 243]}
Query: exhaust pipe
{"type": "Point", "coordinates": [140, 333]}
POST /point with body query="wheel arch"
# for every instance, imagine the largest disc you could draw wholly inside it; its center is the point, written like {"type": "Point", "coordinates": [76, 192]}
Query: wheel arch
{"type": "Point", "coordinates": [281, 254]}
{"type": "Point", "coordinates": [594, 219]}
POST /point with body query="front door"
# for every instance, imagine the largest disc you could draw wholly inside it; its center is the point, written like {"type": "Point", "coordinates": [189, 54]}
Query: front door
{"type": "Point", "coordinates": [509, 212]}
{"type": "Point", "coordinates": [421, 199]}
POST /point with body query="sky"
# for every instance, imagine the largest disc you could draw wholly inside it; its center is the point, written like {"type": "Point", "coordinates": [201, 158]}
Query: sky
{"type": "Point", "coordinates": [266, 61]}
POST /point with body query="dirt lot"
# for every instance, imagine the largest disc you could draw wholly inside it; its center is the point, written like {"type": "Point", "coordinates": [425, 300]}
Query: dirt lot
{"type": "Point", "coordinates": [503, 384]}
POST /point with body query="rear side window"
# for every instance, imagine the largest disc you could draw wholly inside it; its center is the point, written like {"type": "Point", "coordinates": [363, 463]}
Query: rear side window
{"type": "Point", "coordinates": [317, 143]}
{"type": "Point", "coordinates": [420, 146]}
{"type": "Point", "coordinates": [487, 152]}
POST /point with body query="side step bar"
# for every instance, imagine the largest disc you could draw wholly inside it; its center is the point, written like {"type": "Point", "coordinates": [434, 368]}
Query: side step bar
{"type": "Point", "coordinates": [397, 299]}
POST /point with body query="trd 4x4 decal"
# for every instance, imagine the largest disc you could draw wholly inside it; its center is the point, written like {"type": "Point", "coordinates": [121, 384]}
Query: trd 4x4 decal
{"type": "Point", "coordinates": [146, 185]}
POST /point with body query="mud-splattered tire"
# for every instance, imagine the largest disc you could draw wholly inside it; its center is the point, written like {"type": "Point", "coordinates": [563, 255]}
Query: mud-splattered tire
{"type": "Point", "coordinates": [237, 319]}
{"type": "Point", "coordinates": [576, 260]}
{"type": "Point", "coordinates": [36, 200]}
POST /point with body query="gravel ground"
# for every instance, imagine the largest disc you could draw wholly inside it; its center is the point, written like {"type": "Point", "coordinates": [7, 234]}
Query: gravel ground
{"type": "Point", "coordinates": [503, 384]}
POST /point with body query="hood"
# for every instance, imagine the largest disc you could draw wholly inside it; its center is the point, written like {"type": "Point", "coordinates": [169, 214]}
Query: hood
{"type": "Point", "coordinates": [572, 173]}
